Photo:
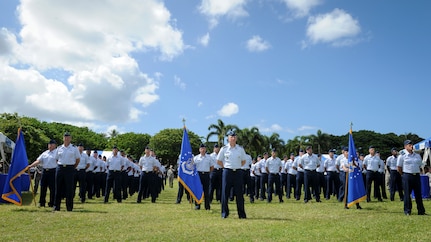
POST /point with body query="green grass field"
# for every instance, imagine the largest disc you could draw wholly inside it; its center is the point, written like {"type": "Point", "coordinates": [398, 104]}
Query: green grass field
{"type": "Point", "coordinates": [167, 221]}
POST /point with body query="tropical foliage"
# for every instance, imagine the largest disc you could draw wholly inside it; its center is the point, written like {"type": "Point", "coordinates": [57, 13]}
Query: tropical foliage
{"type": "Point", "coordinates": [167, 142]}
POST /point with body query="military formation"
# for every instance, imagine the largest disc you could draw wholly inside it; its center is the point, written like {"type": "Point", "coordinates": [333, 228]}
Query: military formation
{"type": "Point", "coordinates": [309, 177]}
{"type": "Point", "coordinates": [69, 168]}
{"type": "Point", "coordinates": [227, 174]}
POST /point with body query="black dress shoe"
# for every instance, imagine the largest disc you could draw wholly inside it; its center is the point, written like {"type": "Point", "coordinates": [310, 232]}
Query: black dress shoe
{"type": "Point", "coordinates": [345, 207]}
{"type": "Point", "coordinates": [358, 207]}
{"type": "Point", "coordinates": [422, 214]}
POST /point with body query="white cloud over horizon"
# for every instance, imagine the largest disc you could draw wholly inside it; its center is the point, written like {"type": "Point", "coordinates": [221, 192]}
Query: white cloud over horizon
{"type": "Point", "coordinates": [92, 43]}
{"type": "Point", "coordinates": [228, 110]}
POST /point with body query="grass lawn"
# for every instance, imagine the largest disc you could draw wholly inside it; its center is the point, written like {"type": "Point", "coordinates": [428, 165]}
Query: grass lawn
{"type": "Point", "coordinates": [167, 221]}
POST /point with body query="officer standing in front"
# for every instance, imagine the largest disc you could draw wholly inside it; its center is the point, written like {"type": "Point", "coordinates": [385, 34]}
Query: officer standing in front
{"type": "Point", "coordinates": [409, 165]}
{"type": "Point", "coordinates": [67, 157]}
{"type": "Point", "coordinates": [49, 163]}
{"type": "Point", "coordinates": [231, 157]}
{"type": "Point", "coordinates": [204, 165]}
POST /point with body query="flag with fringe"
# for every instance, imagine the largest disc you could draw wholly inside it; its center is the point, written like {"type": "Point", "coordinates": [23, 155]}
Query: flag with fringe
{"type": "Point", "coordinates": [187, 173]}
{"type": "Point", "coordinates": [13, 184]}
{"type": "Point", "coordinates": [356, 190]}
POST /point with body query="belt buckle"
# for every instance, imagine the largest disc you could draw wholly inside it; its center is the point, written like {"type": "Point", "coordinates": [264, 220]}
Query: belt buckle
{"type": "Point", "coordinates": [233, 169]}
{"type": "Point", "coordinates": [64, 165]}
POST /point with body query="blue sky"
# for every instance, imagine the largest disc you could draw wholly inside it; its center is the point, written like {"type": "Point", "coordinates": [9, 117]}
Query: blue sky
{"type": "Point", "coordinates": [286, 66]}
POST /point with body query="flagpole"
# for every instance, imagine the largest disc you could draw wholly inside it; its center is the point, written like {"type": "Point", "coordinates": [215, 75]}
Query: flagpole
{"type": "Point", "coordinates": [345, 189]}
{"type": "Point", "coordinates": [347, 178]}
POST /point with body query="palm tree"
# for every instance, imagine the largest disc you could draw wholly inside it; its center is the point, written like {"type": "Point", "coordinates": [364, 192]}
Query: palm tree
{"type": "Point", "coordinates": [293, 145]}
{"type": "Point", "coordinates": [251, 139]}
{"type": "Point", "coordinates": [277, 143]}
{"type": "Point", "coordinates": [220, 130]}
{"type": "Point", "coordinates": [114, 133]}
{"type": "Point", "coordinates": [321, 140]}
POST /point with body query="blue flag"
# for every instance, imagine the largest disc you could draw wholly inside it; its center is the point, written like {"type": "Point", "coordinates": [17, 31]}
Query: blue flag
{"type": "Point", "coordinates": [356, 190]}
{"type": "Point", "coordinates": [13, 184]}
{"type": "Point", "coordinates": [187, 173]}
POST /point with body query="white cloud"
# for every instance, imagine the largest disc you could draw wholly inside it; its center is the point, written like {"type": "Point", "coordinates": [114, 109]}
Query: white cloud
{"type": "Point", "coordinates": [204, 40]}
{"type": "Point", "coordinates": [228, 110]}
{"type": "Point", "coordinates": [301, 8]}
{"type": "Point", "coordinates": [337, 28]}
{"type": "Point", "coordinates": [179, 83]}
{"type": "Point", "coordinates": [257, 44]}
{"type": "Point", "coordinates": [8, 43]}
{"type": "Point", "coordinates": [200, 104]}
{"type": "Point", "coordinates": [271, 129]}
{"type": "Point", "coordinates": [214, 9]}
{"type": "Point", "coordinates": [92, 42]}
{"type": "Point", "coordinates": [306, 127]}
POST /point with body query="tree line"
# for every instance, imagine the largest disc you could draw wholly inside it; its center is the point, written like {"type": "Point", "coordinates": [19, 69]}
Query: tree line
{"type": "Point", "coordinates": [167, 142]}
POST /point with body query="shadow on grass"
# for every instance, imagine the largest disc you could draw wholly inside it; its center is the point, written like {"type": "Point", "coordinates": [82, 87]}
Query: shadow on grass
{"type": "Point", "coordinates": [268, 219]}
{"type": "Point", "coordinates": [43, 210]}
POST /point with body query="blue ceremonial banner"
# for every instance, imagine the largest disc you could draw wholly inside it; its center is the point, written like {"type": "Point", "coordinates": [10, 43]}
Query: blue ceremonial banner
{"type": "Point", "coordinates": [13, 185]}
{"type": "Point", "coordinates": [356, 190]}
{"type": "Point", "coordinates": [187, 173]}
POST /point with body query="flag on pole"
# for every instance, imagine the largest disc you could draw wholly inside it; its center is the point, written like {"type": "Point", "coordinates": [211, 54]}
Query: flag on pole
{"type": "Point", "coordinates": [13, 184]}
{"type": "Point", "coordinates": [187, 173]}
{"type": "Point", "coordinates": [356, 190]}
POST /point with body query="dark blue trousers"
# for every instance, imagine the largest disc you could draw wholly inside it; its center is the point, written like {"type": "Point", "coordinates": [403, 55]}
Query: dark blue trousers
{"type": "Point", "coordinates": [299, 183]}
{"type": "Point", "coordinates": [412, 183]}
{"type": "Point", "coordinates": [205, 181]}
{"type": "Point", "coordinates": [47, 181]}
{"type": "Point", "coordinates": [274, 179]}
{"type": "Point", "coordinates": [232, 178]}
{"type": "Point", "coordinates": [263, 185]}
{"type": "Point", "coordinates": [311, 181]}
{"type": "Point", "coordinates": [64, 179]}
{"type": "Point", "coordinates": [291, 183]}
{"type": "Point", "coordinates": [332, 184]}
{"type": "Point", "coordinates": [342, 188]}
{"type": "Point", "coordinates": [395, 183]}
{"type": "Point", "coordinates": [113, 180]}
{"type": "Point", "coordinates": [215, 184]}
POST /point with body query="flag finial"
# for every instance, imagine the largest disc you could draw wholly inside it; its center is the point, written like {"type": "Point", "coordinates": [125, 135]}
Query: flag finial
{"type": "Point", "coordinates": [184, 122]}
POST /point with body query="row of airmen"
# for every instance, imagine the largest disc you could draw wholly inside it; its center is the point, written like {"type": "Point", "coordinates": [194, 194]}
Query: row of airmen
{"type": "Point", "coordinates": [266, 175]}
{"type": "Point", "coordinates": [309, 170]}
{"type": "Point", "coordinates": [65, 167]}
